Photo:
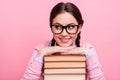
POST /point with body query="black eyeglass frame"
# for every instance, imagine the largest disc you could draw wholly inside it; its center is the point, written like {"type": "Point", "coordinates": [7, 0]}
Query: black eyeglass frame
{"type": "Point", "coordinates": [65, 27]}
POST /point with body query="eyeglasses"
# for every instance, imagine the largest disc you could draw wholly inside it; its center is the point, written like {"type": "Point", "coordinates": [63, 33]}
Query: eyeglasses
{"type": "Point", "coordinates": [70, 28]}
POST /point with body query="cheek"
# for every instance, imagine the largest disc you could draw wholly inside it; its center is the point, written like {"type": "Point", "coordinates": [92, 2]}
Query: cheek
{"type": "Point", "coordinates": [74, 37]}
{"type": "Point", "coordinates": [55, 37]}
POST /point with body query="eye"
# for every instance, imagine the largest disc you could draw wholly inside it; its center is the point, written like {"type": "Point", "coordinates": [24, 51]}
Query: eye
{"type": "Point", "coordinates": [58, 27]}
{"type": "Point", "coordinates": [71, 26]}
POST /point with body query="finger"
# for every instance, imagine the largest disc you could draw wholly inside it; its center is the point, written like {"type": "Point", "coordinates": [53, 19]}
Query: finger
{"type": "Point", "coordinates": [64, 53]}
{"type": "Point", "coordinates": [56, 49]}
{"type": "Point", "coordinates": [69, 47]}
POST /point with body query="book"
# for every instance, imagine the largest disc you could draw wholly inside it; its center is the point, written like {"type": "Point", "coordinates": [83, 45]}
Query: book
{"type": "Point", "coordinates": [65, 71]}
{"type": "Point", "coordinates": [64, 77]}
{"type": "Point", "coordinates": [63, 64]}
{"type": "Point", "coordinates": [64, 57]}
{"type": "Point", "coordinates": [65, 67]}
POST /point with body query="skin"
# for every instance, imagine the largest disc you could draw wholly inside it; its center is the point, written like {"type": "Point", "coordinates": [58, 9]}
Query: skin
{"type": "Point", "coordinates": [64, 40]}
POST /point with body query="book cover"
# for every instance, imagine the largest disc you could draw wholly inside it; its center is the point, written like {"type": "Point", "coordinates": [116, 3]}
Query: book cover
{"type": "Point", "coordinates": [64, 77]}
{"type": "Point", "coordinates": [64, 64]}
{"type": "Point", "coordinates": [64, 57]}
{"type": "Point", "coordinates": [65, 71]}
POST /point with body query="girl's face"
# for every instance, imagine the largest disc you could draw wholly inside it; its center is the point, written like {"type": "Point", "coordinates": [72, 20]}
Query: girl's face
{"type": "Point", "coordinates": [65, 39]}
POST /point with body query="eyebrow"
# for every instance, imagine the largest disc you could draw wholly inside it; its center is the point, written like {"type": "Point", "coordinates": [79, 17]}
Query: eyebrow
{"type": "Point", "coordinates": [65, 25]}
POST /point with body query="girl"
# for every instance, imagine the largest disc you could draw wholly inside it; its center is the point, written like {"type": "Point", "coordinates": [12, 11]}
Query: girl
{"type": "Point", "coordinates": [65, 23]}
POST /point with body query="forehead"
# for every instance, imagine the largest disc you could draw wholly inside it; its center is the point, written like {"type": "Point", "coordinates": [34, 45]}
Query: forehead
{"type": "Point", "coordinates": [64, 19]}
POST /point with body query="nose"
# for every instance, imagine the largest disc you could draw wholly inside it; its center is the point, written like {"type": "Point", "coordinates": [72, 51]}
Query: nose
{"type": "Point", "coordinates": [64, 33]}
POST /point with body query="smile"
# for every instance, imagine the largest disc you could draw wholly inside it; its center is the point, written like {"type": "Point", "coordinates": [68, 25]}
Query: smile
{"type": "Point", "coordinates": [64, 40]}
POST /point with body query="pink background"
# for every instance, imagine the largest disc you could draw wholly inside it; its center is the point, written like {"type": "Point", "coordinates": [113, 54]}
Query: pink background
{"type": "Point", "coordinates": [25, 23]}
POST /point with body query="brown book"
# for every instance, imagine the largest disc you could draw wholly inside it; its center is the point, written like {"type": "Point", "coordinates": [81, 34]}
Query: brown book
{"type": "Point", "coordinates": [63, 64]}
{"type": "Point", "coordinates": [68, 57]}
{"type": "Point", "coordinates": [64, 77]}
{"type": "Point", "coordinates": [65, 71]}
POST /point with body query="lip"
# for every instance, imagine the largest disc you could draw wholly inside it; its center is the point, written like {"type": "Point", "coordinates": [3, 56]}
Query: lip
{"type": "Point", "coordinates": [64, 40]}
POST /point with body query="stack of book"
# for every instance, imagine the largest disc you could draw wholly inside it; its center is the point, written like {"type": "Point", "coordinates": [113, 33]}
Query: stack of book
{"type": "Point", "coordinates": [64, 67]}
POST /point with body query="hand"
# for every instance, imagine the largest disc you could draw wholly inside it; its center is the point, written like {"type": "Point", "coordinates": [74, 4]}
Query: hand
{"type": "Point", "coordinates": [54, 49]}
{"type": "Point", "coordinates": [77, 50]}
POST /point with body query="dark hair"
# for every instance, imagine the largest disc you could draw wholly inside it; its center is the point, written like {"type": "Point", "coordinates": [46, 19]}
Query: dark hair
{"type": "Point", "coordinates": [70, 8]}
